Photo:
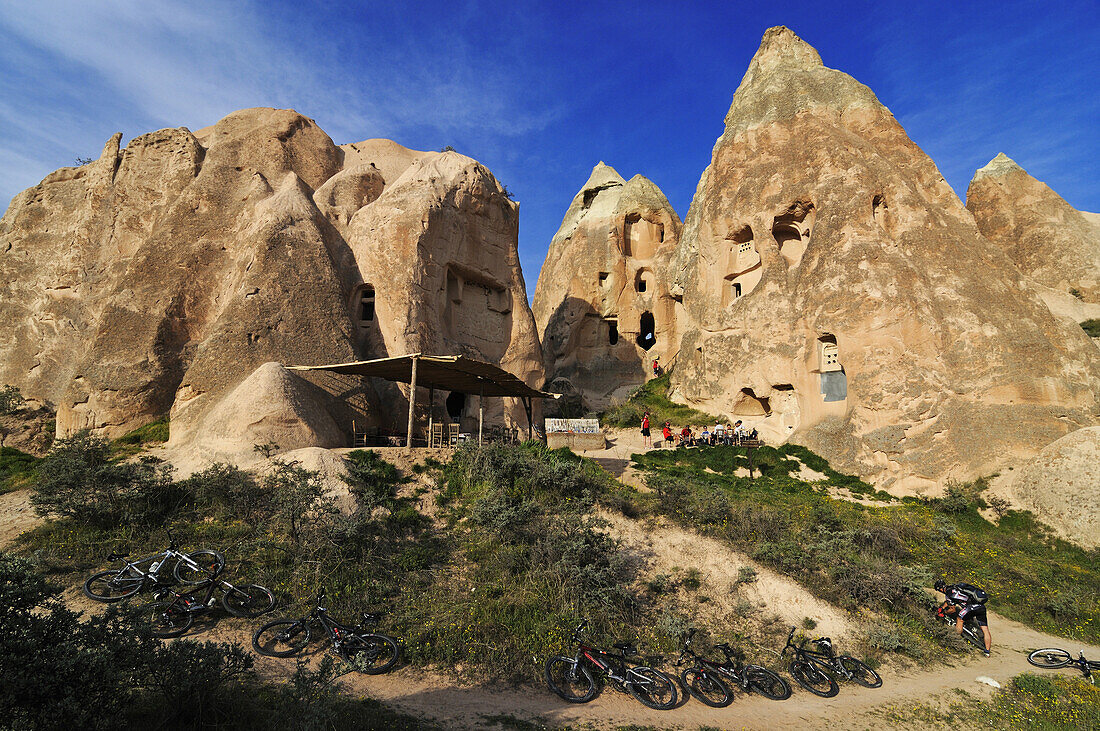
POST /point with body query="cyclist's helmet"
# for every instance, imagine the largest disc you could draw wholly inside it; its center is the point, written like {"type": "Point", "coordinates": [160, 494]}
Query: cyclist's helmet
{"type": "Point", "coordinates": [940, 585]}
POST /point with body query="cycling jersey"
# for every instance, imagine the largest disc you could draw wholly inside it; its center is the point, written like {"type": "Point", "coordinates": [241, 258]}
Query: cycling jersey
{"type": "Point", "coordinates": [967, 606]}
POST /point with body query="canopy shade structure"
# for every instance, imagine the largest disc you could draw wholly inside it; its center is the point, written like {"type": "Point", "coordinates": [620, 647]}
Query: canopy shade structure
{"type": "Point", "coordinates": [449, 372]}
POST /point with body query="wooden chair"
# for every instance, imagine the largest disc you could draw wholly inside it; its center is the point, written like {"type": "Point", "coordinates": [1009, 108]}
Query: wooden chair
{"type": "Point", "coordinates": [358, 437]}
{"type": "Point", "coordinates": [436, 438]}
{"type": "Point", "coordinates": [452, 434]}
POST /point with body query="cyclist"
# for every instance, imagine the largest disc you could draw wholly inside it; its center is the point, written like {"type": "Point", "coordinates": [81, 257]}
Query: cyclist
{"type": "Point", "coordinates": [962, 601]}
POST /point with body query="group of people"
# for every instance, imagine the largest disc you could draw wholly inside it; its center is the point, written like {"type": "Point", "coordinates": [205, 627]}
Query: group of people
{"type": "Point", "coordinates": [720, 433]}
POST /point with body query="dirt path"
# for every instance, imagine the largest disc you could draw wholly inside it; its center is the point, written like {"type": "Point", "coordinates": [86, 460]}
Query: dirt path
{"type": "Point", "coordinates": [16, 515]}
{"type": "Point", "coordinates": [471, 706]}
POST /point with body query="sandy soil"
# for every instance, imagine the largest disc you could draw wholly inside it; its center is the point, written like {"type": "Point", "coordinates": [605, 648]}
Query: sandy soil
{"type": "Point", "coordinates": [16, 515]}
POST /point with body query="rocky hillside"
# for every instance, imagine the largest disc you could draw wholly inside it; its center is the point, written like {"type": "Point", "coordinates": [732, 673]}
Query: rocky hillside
{"type": "Point", "coordinates": [881, 327]}
{"type": "Point", "coordinates": [602, 302]}
{"type": "Point", "coordinates": [157, 278]}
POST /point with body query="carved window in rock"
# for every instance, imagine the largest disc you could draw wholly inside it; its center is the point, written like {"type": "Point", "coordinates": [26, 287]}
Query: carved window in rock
{"type": "Point", "coordinates": [743, 266]}
{"type": "Point", "coordinates": [603, 279]}
{"type": "Point", "coordinates": [364, 305]}
{"type": "Point", "coordinates": [643, 281]}
{"type": "Point", "coordinates": [834, 381]}
{"type": "Point", "coordinates": [791, 230]}
{"type": "Point", "coordinates": [647, 331]}
{"type": "Point", "coordinates": [612, 330]}
{"type": "Point", "coordinates": [641, 237]}
{"type": "Point", "coordinates": [750, 405]}
{"type": "Point", "coordinates": [828, 353]}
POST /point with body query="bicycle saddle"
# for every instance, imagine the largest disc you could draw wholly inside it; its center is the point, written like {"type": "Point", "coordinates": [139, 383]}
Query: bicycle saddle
{"type": "Point", "coordinates": [628, 648]}
{"type": "Point", "coordinates": [371, 617]}
{"type": "Point", "coordinates": [118, 556]}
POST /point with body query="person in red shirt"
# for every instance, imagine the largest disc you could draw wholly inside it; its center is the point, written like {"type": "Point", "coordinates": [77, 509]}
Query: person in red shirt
{"type": "Point", "coordinates": [666, 433]}
{"type": "Point", "coordinates": [646, 440]}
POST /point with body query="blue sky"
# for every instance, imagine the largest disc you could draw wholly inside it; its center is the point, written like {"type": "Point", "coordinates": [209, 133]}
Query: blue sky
{"type": "Point", "coordinates": [540, 92]}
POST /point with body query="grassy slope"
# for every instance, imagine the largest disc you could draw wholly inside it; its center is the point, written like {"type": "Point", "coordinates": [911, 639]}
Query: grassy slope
{"type": "Point", "coordinates": [653, 397]}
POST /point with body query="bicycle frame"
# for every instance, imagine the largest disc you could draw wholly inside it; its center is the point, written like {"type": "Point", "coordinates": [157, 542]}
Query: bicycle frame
{"type": "Point", "coordinates": [594, 655]}
{"type": "Point", "coordinates": [818, 658]}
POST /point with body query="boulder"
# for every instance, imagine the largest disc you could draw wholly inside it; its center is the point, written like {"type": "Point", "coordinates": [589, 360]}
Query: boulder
{"type": "Point", "coordinates": [1050, 241]}
{"type": "Point", "coordinates": [880, 328]}
{"type": "Point", "coordinates": [1061, 485]}
{"type": "Point", "coordinates": [602, 303]}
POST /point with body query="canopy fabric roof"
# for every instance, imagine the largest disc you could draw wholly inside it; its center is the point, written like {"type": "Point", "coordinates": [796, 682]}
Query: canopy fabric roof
{"type": "Point", "coordinates": [448, 372]}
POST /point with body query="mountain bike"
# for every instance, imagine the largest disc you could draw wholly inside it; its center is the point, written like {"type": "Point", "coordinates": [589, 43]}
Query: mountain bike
{"type": "Point", "coordinates": [702, 680]}
{"type": "Point", "coordinates": [814, 669]}
{"type": "Point", "coordinates": [1054, 658]}
{"type": "Point", "coordinates": [572, 679]}
{"type": "Point", "coordinates": [972, 631]}
{"type": "Point", "coordinates": [173, 613]}
{"type": "Point", "coordinates": [367, 651]}
{"type": "Point", "coordinates": [114, 585]}
{"type": "Point", "coordinates": [756, 678]}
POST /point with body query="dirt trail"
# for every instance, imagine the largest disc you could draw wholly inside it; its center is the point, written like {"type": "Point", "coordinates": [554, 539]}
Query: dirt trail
{"type": "Point", "coordinates": [16, 515]}
{"type": "Point", "coordinates": [432, 696]}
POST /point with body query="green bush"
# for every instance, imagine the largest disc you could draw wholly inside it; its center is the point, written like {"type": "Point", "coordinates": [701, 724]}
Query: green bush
{"type": "Point", "coordinates": [77, 479]}
{"type": "Point", "coordinates": [1091, 328]}
{"type": "Point", "coordinates": [11, 400]}
{"type": "Point", "coordinates": [653, 397]}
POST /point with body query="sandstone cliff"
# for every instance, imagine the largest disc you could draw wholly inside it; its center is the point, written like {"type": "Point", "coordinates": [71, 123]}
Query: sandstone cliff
{"type": "Point", "coordinates": [160, 276]}
{"type": "Point", "coordinates": [1051, 242]}
{"type": "Point", "coordinates": [602, 302]}
{"type": "Point", "coordinates": [880, 327]}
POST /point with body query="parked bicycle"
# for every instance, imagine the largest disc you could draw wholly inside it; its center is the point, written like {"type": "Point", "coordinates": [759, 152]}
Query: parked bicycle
{"type": "Point", "coordinates": [1053, 658]}
{"type": "Point", "coordinates": [114, 585]}
{"type": "Point", "coordinates": [756, 678]}
{"type": "Point", "coordinates": [709, 681]}
{"type": "Point", "coordinates": [814, 669]}
{"type": "Point", "coordinates": [972, 631]}
{"type": "Point", "coordinates": [369, 652]}
{"type": "Point", "coordinates": [173, 613]}
{"type": "Point", "coordinates": [572, 678]}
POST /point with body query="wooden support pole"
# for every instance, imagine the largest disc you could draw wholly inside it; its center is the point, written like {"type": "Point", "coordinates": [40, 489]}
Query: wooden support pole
{"type": "Point", "coordinates": [527, 410]}
{"type": "Point", "coordinates": [480, 413]}
{"type": "Point", "coordinates": [431, 409]}
{"type": "Point", "coordinates": [412, 403]}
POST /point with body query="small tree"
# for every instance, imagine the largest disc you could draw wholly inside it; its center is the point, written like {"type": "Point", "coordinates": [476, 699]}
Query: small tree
{"type": "Point", "coordinates": [298, 499]}
{"type": "Point", "coordinates": [11, 401]}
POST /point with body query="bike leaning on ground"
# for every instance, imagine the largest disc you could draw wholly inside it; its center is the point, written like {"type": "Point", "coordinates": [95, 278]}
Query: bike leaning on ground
{"type": "Point", "coordinates": [756, 678]}
{"type": "Point", "coordinates": [173, 613]}
{"type": "Point", "coordinates": [1051, 658]}
{"type": "Point", "coordinates": [114, 585]}
{"type": "Point", "coordinates": [572, 678]}
{"type": "Point", "coordinates": [814, 669]}
{"type": "Point", "coordinates": [368, 652]}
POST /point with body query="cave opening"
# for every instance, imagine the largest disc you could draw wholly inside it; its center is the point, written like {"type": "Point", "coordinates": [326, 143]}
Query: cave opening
{"type": "Point", "coordinates": [647, 337]}
{"type": "Point", "coordinates": [456, 405]}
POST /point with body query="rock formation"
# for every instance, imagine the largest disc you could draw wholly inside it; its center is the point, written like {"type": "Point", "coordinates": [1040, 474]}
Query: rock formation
{"type": "Point", "coordinates": [1055, 245]}
{"type": "Point", "coordinates": [880, 328]}
{"type": "Point", "coordinates": [1061, 485]}
{"type": "Point", "coordinates": [602, 302]}
{"type": "Point", "coordinates": [160, 276]}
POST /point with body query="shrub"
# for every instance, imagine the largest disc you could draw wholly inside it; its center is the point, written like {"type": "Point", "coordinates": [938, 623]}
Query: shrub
{"type": "Point", "coordinates": [373, 480]}
{"type": "Point", "coordinates": [1091, 328]}
{"type": "Point", "coordinates": [226, 491]}
{"type": "Point", "coordinates": [11, 400]}
{"type": "Point", "coordinates": [77, 479]}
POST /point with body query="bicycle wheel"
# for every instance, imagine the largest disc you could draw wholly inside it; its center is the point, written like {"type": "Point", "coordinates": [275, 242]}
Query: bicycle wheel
{"type": "Point", "coordinates": [813, 679]}
{"type": "Point", "coordinates": [372, 654]}
{"type": "Point", "coordinates": [112, 585]}
{"type": "Point", "coordinates": [1050, 658]}
{"type": "Point", "coordinates": [281, 638]}
{"type": "Point", "coordinates": [570, 680]}
{"type": "Point", "coordinates": [166, 619]}
{"type": "Point", "coordinates": [973, 634]}
{"type": "Point", "coordinates": [767, 684]}
{"type": "Point", "coordinates": [251, 600]}
{"type": "Point", "coordinates": [651, 688]}
{"type": "Point", "coordinates": [860, 672]}
{"type": "Point", "coordinates": [706, 687]}
{"type": "Point", "coordinates": [207, 564]}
